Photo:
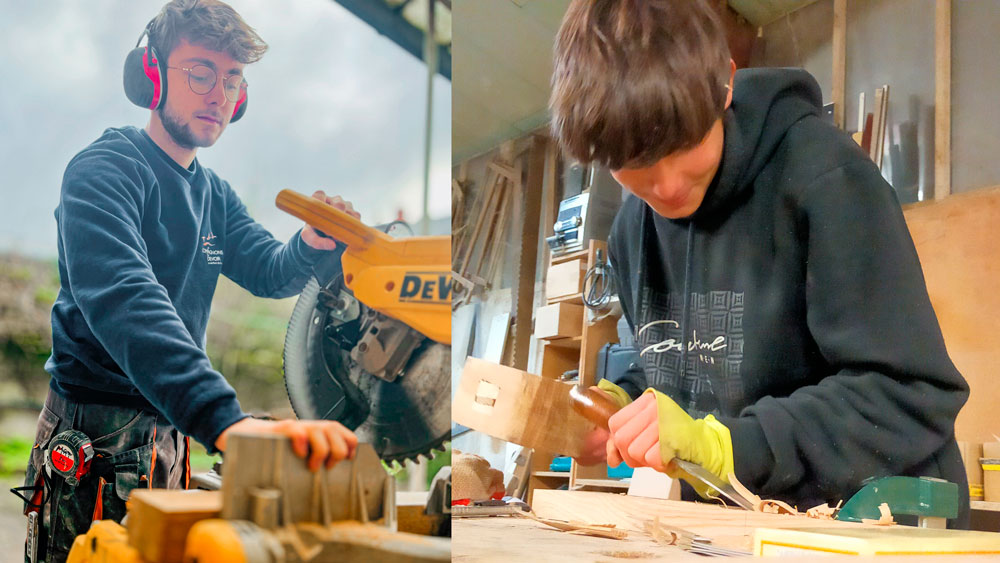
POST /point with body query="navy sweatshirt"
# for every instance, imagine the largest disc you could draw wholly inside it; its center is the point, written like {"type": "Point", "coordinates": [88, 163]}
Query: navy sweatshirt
{"type": "Point", "coordinates": [793, 307]}
{"type": "Point", "coordinates": [142, 242]}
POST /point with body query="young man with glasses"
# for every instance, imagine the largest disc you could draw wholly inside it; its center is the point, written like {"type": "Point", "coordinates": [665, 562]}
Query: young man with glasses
{"type": "Point", "coordinates": [762, 262]}
{"type": "Point", "coordinates": [144, 232]}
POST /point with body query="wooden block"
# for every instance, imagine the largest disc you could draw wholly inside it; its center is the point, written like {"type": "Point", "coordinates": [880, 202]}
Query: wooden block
{"type": "Point", "coordinates": [896, 540]}
{"type": "Point", "coordinates": [159, 520]}
{"type": "Point", "coordinates": [991, 480]}
{"type": "Point", "coordinates": [559, 320]}
{"type": "Point", "coordinates": [411, 519]}
{"type": "Point", "coordinates": [565, 279]}
{"type": "Point", "coordinates": [992, 449]}
{"type": "Point", "coordinates": [990, 464]}
{"type": "Point", "coordinates": [410, 516]}
{"type": "Point", "coordinates": [650, 483]}
{"type": "Point", "coordinates": [519, 407]}
{"type": "Point", "coordinates": [971, 452]}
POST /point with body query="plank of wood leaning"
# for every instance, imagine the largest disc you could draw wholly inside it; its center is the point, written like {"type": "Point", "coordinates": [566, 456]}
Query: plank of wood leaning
{"type": "Point", "coordinates": [942, 99]}
{"type": "Point", "coordinates": [491, 240]}
{"type": "Point", "coordinates": [957, 241]}
{"type": "Point", "coordinates": [470, 241]}
{"type": "Point", "coordinates": [839, 60]}
{"type": "Point", "coordinates": [505, 539]}
{"type": "Point", "coordinates": [497, 241]}
{"type": "Point", "coordinates": [526, 245]}
{"type": "Point", "coordinates": [728, 527]}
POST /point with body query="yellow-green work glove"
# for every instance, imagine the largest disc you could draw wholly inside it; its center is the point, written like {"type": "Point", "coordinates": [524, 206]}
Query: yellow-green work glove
{"type": "Point", "coordinates": [652, 430]}
{"type": "Point", "coordinates": [617, 393]}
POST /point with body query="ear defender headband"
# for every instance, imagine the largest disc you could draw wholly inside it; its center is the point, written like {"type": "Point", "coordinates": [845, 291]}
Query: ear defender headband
{"type": "Point", "coordinates": [145, 77]}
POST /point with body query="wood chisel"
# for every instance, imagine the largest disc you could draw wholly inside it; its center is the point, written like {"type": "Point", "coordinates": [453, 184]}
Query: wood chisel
{"type": "Point", "coordinates": [597, 407]}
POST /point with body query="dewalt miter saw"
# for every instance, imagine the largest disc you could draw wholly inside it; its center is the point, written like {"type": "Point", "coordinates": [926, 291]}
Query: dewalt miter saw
{"type": "Point", "coordinates": [369, 340]}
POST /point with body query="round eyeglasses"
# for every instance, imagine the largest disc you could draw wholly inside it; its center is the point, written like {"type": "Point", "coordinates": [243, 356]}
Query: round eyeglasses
{"type": "Point", "coordinates": [202, 79]}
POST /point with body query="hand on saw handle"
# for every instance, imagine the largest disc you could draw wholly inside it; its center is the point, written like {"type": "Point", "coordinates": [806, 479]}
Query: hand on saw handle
{"type": "Point", "coordinates": [321, 440]}
{"type": "Point", "coordinates": [653, 430]}
{"type": "Point", "coordinates": [319, 240]}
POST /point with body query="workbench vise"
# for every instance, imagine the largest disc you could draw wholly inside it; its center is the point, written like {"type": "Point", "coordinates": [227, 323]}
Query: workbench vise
{"type": "Point", "coordinates": [932, 501]}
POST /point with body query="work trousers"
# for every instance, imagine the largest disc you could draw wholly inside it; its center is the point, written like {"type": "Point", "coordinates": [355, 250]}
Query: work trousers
{"type": "Point", "coordinates": [132, 448]}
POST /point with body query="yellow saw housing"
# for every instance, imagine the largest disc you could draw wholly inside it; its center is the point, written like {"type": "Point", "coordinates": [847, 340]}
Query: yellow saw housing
{"type": "Point", "coordinates": [407, 279]}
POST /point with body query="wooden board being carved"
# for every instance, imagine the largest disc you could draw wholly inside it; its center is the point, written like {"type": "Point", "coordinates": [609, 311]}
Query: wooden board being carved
{"type": "Point", "coordinates": [727, 527]}
{"type": "Point", "coordinates": [958, 242]}
{"type": "Point", "coordinates": [519, 407]}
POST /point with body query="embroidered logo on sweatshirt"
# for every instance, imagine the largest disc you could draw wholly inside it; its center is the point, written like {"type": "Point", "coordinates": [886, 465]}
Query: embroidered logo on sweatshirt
{"type": "Point", "coordinates": [702, 367]}
{"type": "Point", "coordinates": [212, 255]}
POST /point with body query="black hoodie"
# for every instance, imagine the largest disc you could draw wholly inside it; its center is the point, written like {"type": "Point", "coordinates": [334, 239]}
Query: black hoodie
{"type": "Point", "coordinates": [792, 306]}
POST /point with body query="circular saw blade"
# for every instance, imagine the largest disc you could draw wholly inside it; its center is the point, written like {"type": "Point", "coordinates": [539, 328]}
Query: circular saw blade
{"type": "Point", "coordinates": [402, 419]}
{"type": "Point", "coordinates": [411, 415]}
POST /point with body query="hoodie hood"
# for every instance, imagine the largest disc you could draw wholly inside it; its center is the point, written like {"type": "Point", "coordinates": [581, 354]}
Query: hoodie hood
{"type": "Point", "coordinates": [777, 97]}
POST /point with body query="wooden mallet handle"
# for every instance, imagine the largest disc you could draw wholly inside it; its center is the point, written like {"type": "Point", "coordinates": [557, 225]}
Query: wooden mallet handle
{"type": "Point", "coordinates": [595, 405]}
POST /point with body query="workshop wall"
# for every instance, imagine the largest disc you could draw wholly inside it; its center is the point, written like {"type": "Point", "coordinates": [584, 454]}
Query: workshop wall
{"type": "Point", "coordinates": [892, 42]}
{"type": "Point", "coordinates": [473, 323]}
{"type": "Point", "coordinates": [472, 175]}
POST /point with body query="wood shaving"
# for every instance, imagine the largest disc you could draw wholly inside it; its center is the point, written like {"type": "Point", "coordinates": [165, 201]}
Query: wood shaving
{"type": "Point", "coordinates": [745, 492]}
{"type": "Point", "coordinates": [772, 506]}
{"type": "Point", "coordinates": [777, 507]}
{"type": "Point", "coordinates": [599, 530]}
{"type": "Point", "coordinates": [823, 511]}
{"type": "Point", "coordinates": [666, 535]}
{"type": "Point", "coordinates": [886, 518]}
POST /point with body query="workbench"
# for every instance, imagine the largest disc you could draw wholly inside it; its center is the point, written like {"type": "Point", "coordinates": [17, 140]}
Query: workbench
{"type": "Point", "coordinates": [503, 539]}
{"type": "Point", "coordinates": [512, 538]}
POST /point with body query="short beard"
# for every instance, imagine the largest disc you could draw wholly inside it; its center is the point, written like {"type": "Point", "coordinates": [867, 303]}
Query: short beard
{"type": "Point", "coordinates": [180, 133]}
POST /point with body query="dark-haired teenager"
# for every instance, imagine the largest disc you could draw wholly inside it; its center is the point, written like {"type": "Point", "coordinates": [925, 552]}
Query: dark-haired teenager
{"type": "Point", "coordinates": [762, 262]}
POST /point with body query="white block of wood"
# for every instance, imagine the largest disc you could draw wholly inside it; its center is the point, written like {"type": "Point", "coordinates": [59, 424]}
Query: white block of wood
{"type": "Point", "coordinates": [565, 279]}
{"type": "Point", "coordinates": [559, 320]}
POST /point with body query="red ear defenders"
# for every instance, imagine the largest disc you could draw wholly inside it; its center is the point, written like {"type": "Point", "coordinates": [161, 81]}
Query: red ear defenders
{"type": "Point", "coordinates": [145, 78]}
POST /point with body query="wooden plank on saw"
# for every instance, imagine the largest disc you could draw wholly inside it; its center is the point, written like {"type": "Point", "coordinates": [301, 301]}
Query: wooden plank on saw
{"type": "Point", "coordinates": [354, 489]}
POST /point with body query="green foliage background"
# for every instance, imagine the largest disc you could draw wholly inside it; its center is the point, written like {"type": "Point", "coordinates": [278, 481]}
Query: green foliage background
{"type": "Point", "coordinates": [245, 340]}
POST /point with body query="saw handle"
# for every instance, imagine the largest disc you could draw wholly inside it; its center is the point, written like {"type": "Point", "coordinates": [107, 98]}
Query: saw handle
{"type": "Point", "coordinates": [332, 222]}
{"type": "Point", "coordinates": [593, 404]}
